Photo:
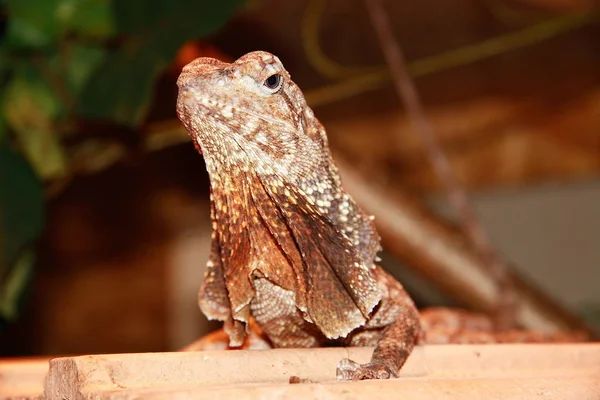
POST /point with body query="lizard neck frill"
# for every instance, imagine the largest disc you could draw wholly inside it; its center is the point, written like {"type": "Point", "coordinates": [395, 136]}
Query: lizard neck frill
{"type": "Point", "coordinates": [269, 226]}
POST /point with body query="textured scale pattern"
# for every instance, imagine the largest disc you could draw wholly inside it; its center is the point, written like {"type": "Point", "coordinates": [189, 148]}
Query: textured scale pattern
{"type": "Point", "coordinates": [290, 247]}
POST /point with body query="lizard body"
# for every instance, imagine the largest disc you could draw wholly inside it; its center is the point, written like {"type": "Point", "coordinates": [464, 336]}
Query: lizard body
{"type": "Point", "coordinates": [290, 248]}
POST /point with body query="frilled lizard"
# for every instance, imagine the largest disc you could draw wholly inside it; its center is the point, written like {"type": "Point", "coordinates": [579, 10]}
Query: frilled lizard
{"type": "Point", "coordinates": [290, 248]}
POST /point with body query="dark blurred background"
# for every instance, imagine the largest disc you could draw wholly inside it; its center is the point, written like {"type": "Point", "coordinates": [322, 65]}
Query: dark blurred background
{"type": "Point", "coordinates": [104, 226]}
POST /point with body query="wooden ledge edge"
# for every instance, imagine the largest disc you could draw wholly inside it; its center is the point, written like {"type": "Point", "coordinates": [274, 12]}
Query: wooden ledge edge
{"type": "Point", "coordinates": [189, 373]}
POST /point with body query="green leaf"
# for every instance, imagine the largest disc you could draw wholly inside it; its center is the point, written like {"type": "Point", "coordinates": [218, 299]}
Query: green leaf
{"type": "Point", "coordinates": [30, 107]}
{"type": "Point", "coordinates": [5, 62]}
{"type": "Point", "coordinates": [81, 61]}
{"type": "Point", "coordinates": [135, 16]}
{"type": "Point", "coordinates": [43, 149]}
{"type": "Point", "coordinates": [92, 18]}
{"type": "Point", "coordinates": [121, 88]}
{"type": "Point", "coordinates": [3, 133]}
{"type": "Point", "coordinates": [15, 284]}
{"type": "Point", "coordinates": [35, 23]}
{"type": "Point", "coordinates": [32, 23]}
{"type": "Point", "coordinates": [21, 220]}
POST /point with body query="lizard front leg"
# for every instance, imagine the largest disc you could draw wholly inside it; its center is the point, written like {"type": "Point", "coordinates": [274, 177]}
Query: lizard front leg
{"type": "Point", "coordinates": [393, 329]}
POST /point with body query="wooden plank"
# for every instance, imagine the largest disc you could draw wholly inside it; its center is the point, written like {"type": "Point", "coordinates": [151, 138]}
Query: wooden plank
{"type": "Point", "coordinates": [22, 378]}
{"type": "Point", "coordinates": [441, 372]}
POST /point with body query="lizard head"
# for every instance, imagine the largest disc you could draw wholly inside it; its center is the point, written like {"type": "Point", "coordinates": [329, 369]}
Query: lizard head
{"type": "Point", "coordinates": [250, 116]}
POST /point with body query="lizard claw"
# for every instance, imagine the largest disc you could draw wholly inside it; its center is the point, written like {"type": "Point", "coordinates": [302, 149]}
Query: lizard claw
{"type": "Point", "coordinates": [348, 370]}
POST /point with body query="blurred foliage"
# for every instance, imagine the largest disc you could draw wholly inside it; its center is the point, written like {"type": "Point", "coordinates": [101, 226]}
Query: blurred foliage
{"type": "Point", "coordinates": [21, 215]}
{"type": "Point", "coordinates": [64, 61]}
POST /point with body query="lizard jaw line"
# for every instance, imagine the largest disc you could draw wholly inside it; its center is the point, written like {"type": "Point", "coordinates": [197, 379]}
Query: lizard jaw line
{"type": "Point", "coordinates": [193, 98]}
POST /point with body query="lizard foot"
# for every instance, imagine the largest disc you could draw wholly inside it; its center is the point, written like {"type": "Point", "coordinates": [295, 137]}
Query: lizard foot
{"type": "Point", "coordinates": [348, 370]}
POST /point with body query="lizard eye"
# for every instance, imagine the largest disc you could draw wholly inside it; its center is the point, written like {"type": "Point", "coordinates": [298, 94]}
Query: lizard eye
{"type": "Point", "coordinates": [274, 82]}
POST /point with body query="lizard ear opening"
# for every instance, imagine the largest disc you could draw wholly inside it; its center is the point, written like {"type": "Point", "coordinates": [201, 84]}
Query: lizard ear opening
{"type": "Point", "coordinates": [274, 83]}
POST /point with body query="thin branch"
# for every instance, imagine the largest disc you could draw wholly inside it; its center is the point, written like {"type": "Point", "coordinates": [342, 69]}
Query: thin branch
{"type": "Point", "coordinates": [505, 315]}
{"type": "Point", "coordinates": [315, 54]}
{"type": "Point", "coordinates": [439, 62]}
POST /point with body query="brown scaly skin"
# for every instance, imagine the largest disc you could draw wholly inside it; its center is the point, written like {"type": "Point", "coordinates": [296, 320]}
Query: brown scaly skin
{"type": "Point", "coordinates": [290, 247]}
